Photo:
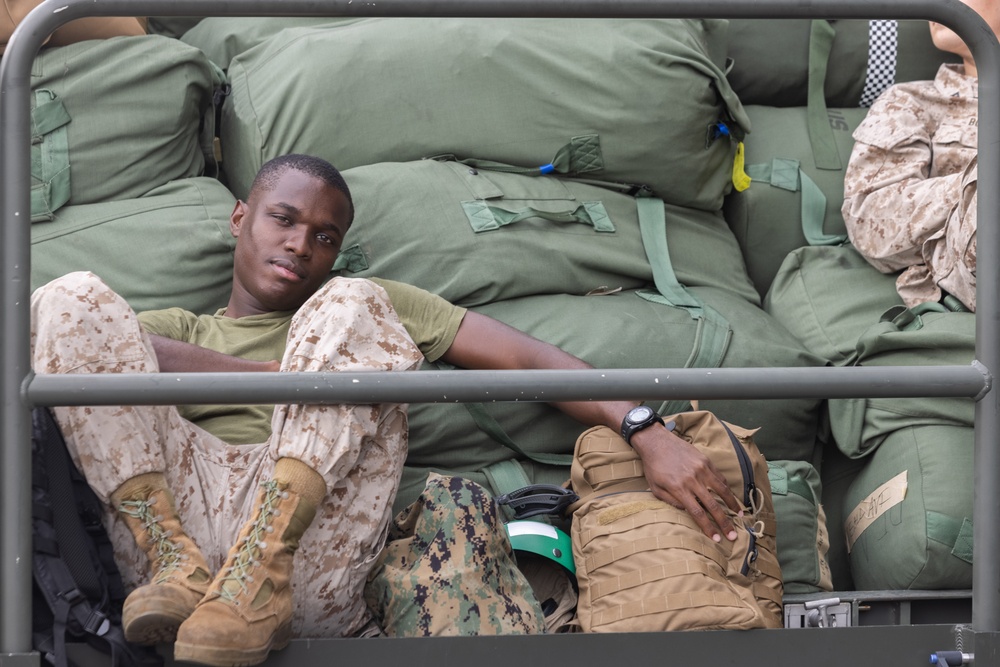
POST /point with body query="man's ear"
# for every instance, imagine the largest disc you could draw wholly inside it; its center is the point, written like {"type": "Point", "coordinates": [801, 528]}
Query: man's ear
{"type": "Point", "coordinates": [236, 218]}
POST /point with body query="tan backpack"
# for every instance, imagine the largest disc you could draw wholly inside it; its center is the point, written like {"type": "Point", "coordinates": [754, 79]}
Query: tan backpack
{"type": "Point", "coordinates": [12, 12]}
{"type": "Point", "coordinates": [644, 565]}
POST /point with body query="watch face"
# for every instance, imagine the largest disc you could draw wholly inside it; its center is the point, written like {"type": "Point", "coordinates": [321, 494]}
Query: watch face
{"type": "Point", "coordinates": [640, 414]}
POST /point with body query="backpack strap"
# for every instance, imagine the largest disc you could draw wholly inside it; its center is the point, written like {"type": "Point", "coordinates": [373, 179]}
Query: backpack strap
{"type": "Point", "coordinates": [73, 562]}
{"type": "Point", "coordinates": [63, 566]}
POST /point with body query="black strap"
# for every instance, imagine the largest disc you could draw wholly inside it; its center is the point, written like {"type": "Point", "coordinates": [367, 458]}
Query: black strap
{"type": "Point", "coordinates": [73, 559]}
{"type": "Point", "coordinates": [538, 499]}
{"type": "Point", "coordinates": [74, 543]}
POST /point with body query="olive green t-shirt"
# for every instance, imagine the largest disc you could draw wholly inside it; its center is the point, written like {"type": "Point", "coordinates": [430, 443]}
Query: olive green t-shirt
{"type": "Point", "coordinates": [431, 321]}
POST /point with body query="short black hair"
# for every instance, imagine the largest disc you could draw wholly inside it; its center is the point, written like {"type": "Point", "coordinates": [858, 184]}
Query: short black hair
{"type": "Point", "coordinates": [314, 166]}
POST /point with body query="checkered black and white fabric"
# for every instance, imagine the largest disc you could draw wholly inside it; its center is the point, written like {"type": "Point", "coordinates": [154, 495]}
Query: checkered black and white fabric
{"type": "Point", "coordinates": [882, 43]}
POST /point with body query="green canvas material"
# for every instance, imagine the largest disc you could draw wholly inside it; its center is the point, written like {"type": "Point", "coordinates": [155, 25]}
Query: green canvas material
{"type": "Point", "coordinates": [611, 331]}
{"type": "Point", "coordinates": [516, 94]}
{"type": "Point", "coordinates": [771, 59]}
{"type": "Point", "coordinates": [790, 202]}
{"type": "Point", "coordinates": [50, 170]}
{"type": "Point", "coordinates": [169, 248]}
{"type": "Point", "coordinates": [412, 224]}
{"type": "Point", "coordinates": [803, 540]}
{"type": "Point", "coordinates": [171, 26]}
{"type": "Point", "coordinates": [140, 114]}
{"type": "Point", "coordinates": [924, 336]}
{"type": "Point", "coordinates": [821, 34]}
{"type": "Point", "coordinates": [924, 542]}
{"type": "Point", "coordinates": [837, 472]}
{"type": "Point", "coordinates": [828, 321]}
{"type": "Point", "coordinates": [222, 38]}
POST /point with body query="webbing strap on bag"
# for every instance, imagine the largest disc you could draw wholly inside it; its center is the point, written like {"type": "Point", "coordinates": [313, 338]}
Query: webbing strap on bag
{"type": "Point", "coordinates": [818, 123]}
{"type": "Point", "coordinates": [485, 216]}
{"type": "Point", "coordinates": [580, 156]}
{"type": "Point", "coordinates": [492, 428]}
{"type": "Point", "coordinates": [508, 475]}
{"type": "Point", "coordinates": [50, 171]}
{"type": "Point", "coordinates": [714, 332]}
{"type": "Point", "coordinates": [951, 532]}
{"type": "Point", "coordinates": [787, 174]}
{"type": "Point", "coordinates": [897, 318]}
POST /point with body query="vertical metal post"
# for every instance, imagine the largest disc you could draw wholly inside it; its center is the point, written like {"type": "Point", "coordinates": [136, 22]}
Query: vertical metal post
{"type": "Point", "coordinates": [986, 506]}
{"type": "Point", "coordinates": [15, 525]}
{"type": "Point", "coordinates": [15, 473]}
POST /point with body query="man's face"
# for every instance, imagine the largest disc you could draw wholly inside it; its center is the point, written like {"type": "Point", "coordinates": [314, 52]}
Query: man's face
{"type": "Point", "coordinates": [287, 238]}
{"type": "Point", "coordinates": [946, 39]}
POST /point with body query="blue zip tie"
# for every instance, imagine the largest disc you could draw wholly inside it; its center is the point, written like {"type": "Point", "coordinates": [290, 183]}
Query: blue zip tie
{"type": "Point", "coordinates": [722, 129]}
{"type": "Point", "coordinates": [547, 168]}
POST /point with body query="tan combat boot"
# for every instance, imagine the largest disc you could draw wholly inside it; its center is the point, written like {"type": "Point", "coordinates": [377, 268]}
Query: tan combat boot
{"type": "Point", "coordinates": [179, 574]}
{"type": "Point", "coordinates": [248, 609]}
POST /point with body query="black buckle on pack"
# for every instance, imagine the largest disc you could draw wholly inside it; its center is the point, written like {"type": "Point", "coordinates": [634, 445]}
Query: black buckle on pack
{"type": "Point", "coordinates": [538, 499]}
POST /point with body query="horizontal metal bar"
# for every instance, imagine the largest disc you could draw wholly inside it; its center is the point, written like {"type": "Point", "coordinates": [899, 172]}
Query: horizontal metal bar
{"type": "Point", "coordinates": [532, 386]}
{"type": "Point", "coordinates": [15, 381]}
{"type": "Point", "coordinates": [65, 10]}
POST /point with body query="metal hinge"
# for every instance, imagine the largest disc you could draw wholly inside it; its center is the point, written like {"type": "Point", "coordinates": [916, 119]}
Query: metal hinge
{"type": "Point", "coordinates": [828, 613]}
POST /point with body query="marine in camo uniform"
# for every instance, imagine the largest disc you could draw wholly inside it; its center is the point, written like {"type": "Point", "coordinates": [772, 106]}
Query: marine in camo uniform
{"type": "Point", "coordinates": [910, 187]}
{"type": "Point", "coordinates": [206, 528]}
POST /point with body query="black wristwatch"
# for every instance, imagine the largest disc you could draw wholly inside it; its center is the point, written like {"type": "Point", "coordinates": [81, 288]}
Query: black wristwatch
{"type": "Point", "coordinates": [637, 419]}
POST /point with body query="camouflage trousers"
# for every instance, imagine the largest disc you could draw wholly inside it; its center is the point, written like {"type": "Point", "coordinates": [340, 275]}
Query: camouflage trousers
{"type": "Point", "coordinates": [79, 325]}
{"type": "Point", "coordinates": [449, 569]}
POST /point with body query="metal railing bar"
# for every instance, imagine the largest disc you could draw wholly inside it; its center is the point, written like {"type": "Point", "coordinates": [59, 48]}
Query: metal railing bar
{"type": "Point", "coordinates": [469, 386]}
{"type": "Point", "coordinates": [15, 530]}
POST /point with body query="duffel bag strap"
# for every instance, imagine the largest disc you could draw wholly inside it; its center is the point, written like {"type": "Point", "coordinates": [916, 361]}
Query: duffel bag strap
{"type": "Point", "coordinates": [484, 216]}
{"type": "Point", "coordinates": [787, 174]}
{"type": "Point", "coordinates": [580, 156]}
{"type": "Point", "coordinates": [489, 425]}
{"type": "Point", "coordinates": [824, 145]}
{"type": "Point", "coordinates": [50, 168]}
{"type": "Point", "coordinates": [714, 332]}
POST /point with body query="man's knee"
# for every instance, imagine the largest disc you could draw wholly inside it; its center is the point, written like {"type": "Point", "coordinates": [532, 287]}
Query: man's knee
{"type": "Point", "coordinates": [70, 288]}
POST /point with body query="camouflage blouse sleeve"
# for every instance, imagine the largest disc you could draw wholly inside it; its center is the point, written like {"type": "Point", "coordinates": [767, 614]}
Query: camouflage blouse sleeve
{"type": "Point", "coordinates": [893, 198]}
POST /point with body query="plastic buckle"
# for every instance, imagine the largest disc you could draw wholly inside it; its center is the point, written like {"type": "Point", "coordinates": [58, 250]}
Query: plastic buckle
{"type": "Point", "coordinates": [538, 499]}
{"type": "Point", "coordinates": [97, 623]}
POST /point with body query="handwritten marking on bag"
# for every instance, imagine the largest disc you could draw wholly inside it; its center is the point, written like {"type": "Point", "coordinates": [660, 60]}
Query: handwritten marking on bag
{"type": "Point", "coordinates": [880, 501]}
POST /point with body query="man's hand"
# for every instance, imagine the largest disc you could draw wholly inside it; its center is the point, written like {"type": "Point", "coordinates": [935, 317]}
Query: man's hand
{"type": "Point", "coordinates": [677, 473]}
{"type": "Point", "coordinates": [174, 356]}
{"type": "Point", "coordinates": [682, 476]}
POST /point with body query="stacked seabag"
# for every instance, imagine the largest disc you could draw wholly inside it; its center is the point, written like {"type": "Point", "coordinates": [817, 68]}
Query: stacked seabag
{"type": "Point", "coordinates": [121, 147]}
{"type": "Point", "coordinates": [572, 197]}
{"type": "Point", "coordinates": [909, 452]}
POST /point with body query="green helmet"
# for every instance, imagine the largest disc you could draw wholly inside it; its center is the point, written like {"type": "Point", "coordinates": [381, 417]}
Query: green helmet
{"type": "Point", "coordinates": [542, 539]}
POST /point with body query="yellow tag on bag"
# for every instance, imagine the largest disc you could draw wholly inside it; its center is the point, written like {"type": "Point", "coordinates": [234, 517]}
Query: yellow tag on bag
{"type": "Point", "coordinates": [740, 179]}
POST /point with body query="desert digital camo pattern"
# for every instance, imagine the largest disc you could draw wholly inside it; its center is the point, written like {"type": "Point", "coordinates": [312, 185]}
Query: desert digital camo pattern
{"type": "Point", "coordinates": [449, 569]}
{"type": "Point", "coordinates": [80, 326]}
{"type": "Point", "coordinates": [910, 186]}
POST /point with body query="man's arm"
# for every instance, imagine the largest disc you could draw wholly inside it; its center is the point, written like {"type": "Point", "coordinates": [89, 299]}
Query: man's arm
{"type": "Point", "coordinates": [176, 356]}
{"type": "Point", "coordinates": [677, 473]}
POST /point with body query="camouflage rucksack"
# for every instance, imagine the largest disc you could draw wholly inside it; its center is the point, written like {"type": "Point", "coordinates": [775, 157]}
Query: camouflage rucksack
{"type": "Point", "coordinates": [449, 569]}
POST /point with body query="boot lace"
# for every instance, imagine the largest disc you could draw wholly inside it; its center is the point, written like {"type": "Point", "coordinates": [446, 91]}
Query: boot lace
{"type": "Point", "coordinates": [253, 544]}
{"type": "Point", "coordinates": [169, 555]}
